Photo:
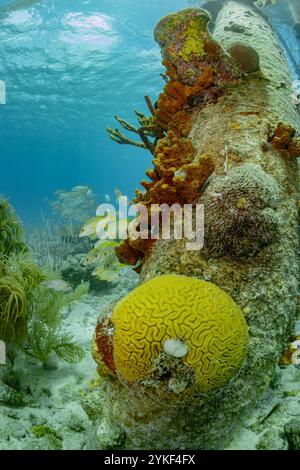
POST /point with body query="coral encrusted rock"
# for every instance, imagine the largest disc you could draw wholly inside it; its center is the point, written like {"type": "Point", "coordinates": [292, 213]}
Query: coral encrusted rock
{"type": "Point", "coordinates": [209, 326]}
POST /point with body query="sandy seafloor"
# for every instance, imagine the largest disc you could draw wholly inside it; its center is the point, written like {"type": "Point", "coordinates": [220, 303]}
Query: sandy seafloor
{"type": "Point", "coordinates": [63, 399]}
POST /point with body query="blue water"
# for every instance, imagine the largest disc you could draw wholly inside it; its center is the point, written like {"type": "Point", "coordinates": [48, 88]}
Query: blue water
{"type": "Point", "coordinates": [69, 67]}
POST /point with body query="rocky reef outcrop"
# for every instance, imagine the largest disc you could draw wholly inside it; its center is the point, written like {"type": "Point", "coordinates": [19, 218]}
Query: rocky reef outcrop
{"type": "Point", "coordinates": [229, 142]}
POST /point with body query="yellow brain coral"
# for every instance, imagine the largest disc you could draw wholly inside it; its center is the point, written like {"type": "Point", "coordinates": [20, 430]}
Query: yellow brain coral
{"type": "Point", "coordinates": [172, 307]}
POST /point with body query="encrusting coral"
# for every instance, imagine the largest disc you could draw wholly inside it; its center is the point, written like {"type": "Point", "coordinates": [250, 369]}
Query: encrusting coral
{"type": "Point", "coordinates": [198, 71]}
{"type": "Point", "coordinates": [11, 231]}
{"type": "Point", "coordinates": [241, 214]}
{"type": "Point", "coordinates": [189, 314]}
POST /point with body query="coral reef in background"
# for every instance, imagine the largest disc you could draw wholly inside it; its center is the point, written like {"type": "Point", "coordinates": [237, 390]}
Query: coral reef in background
{"type": "Point", "coordinates": [74, 271]}
{"type": "Point", "coordinates": [174, 333]}
{"type": "Point", "coordinates": [55, 244]}
{"type": "Point", "coordinates": [75, 206]}
{"type": "Point", "coordinates": [50, 244]}
{"type": "Point", "coordinates": [72, 248]}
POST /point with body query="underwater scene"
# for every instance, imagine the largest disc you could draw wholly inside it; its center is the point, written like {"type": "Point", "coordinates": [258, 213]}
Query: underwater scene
{"type": "Point", "coordinates": [149, 225]}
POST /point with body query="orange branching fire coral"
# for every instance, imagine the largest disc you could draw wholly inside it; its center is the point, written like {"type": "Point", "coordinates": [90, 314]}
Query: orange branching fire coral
{"type": "Point", "coordinates": [197, 72]}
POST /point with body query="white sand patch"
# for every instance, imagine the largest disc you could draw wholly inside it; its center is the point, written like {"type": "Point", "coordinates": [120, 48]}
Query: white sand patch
{"type": "Point", "coordinates": [53, 398]}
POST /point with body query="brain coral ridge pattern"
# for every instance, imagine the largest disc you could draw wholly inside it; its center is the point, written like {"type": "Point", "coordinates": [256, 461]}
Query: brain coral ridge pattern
{"type": "Point", "coordinates": [197, 72]}
{"type": "Point", "coordinates": [197, 312]}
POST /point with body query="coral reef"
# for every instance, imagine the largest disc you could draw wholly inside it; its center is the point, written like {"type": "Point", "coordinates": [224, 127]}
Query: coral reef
{"type": "Point", "coordinates": [75, 206]}
{"type": "Point", "coordinates": [148, 129]}
{"type": "Point", "coordinates": [30, 310]}
{"type": "Point", "coordinates": [11, 230]}
{"type": "Point", "coordinates": [251, 240]}
{"type": "Point", "coordinates": [181, 175]}
{"type": "Point", "coordinates": [187, 44]}
{"type": "Point", "coordinates": [57, 249]}
{"type": "Point", "coordinates": [198, 72]}
{"type": "Point", "coordinates": [74, 271]}
{"type": "Point", "coordinates": [241, 215]}
{"type": "Point", "coordinates": [49, 244]}
{"type": "Point", "coordinates": [102, 257]}
{"type": "Point", "coordinates": [147, 325]}
{"type": "Point", "coordinates": [19, 276]}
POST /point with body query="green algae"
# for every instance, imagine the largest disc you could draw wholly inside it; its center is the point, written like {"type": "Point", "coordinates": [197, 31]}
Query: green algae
{"type": "Point", "coordinates": [193, 44]}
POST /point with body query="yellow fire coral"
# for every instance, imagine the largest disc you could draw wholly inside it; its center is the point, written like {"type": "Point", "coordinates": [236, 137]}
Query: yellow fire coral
{"type": "Point", "coordinates": [196, 314]}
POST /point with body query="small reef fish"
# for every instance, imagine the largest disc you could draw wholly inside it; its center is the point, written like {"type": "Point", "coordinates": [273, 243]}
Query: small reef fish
{"type": "Point", "coordinates": [90, 227]}
{"type": "Point", "coordinates": [109, 269]}
{"type": "Point", "coordinates": [114, 226]}
{"type": "Point", "coordinates": [58, 285]}
{"type": "Point", "coordinates": [107, 198]}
